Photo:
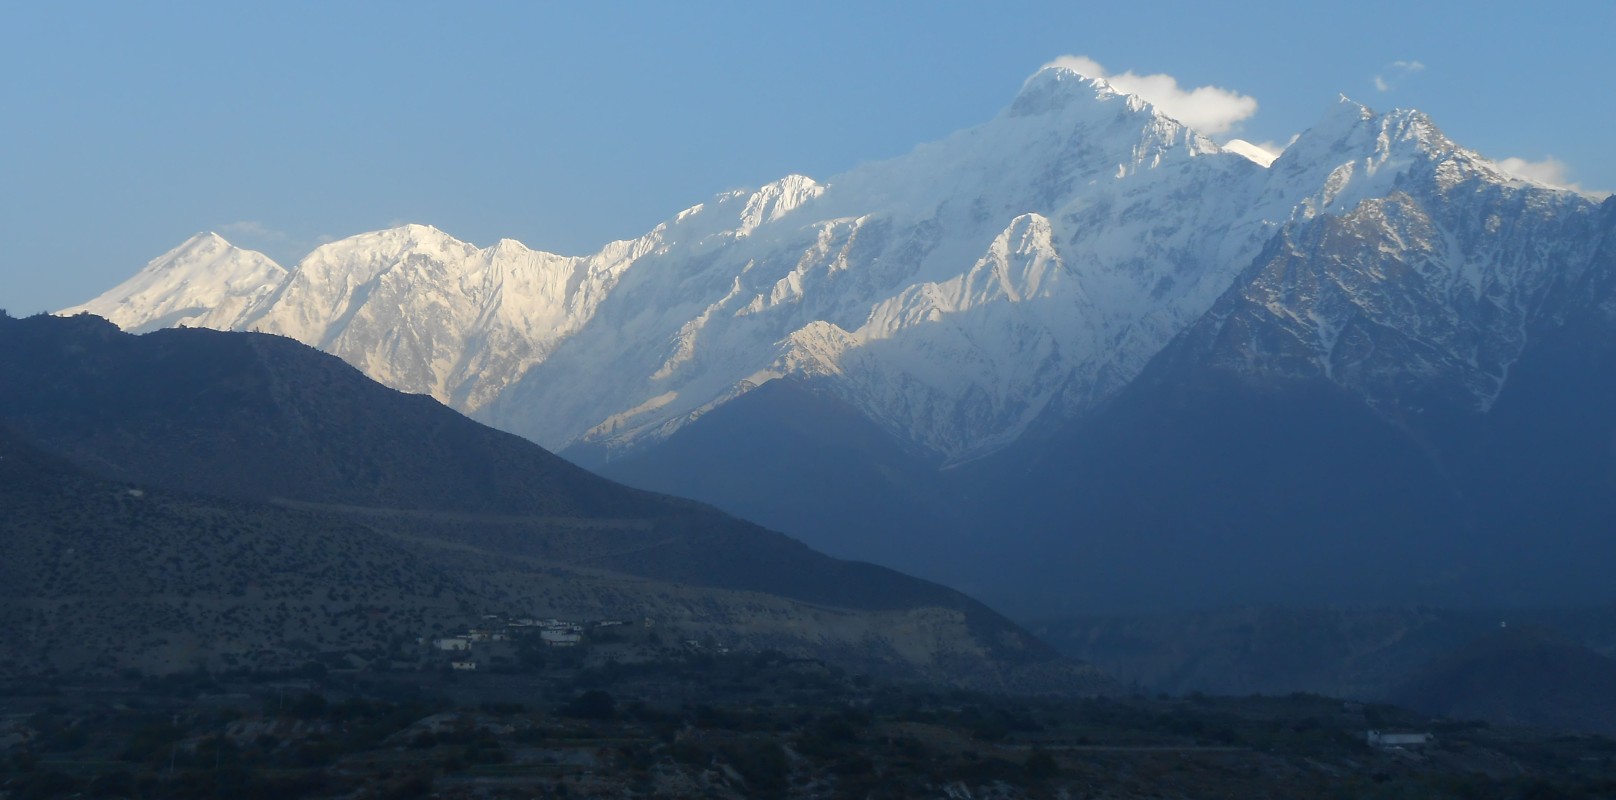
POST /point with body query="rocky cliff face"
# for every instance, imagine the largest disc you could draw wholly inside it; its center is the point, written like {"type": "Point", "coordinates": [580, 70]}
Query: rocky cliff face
{"type": "Point", "coordinates": [1425, 291]}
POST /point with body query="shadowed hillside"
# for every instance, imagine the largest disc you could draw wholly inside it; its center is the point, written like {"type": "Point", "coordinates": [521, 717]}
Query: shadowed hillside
{"type": "Point", "coordinates": [241, 438]}
{"type": "Point", "coordinates": [1521, 676]}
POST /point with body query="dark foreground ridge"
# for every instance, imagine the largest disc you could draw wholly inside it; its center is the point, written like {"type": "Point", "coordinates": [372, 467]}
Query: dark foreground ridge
{"type": "Point", "coordinates": [227, 500]}
{"type": "Point", "coordinates": [731, 726]}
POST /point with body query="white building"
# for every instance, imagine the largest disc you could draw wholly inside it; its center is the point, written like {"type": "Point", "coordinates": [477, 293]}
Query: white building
{"type": "Point", "coordinates": [452, 643]}
{"type": "Point", "coordinates": [560, 638]}
{"type": "Point", "coordinates": [1378, 739]}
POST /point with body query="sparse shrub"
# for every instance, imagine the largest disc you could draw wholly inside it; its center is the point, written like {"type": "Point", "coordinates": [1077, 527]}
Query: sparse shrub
{"type": "Point", "coordinates": [310, 705]}
{"type": "Point", "coordinates": [120, 783]}
{"type": "Point", "coordinates": [485, 752]}
{"type": "Point", "coordinates": [316, 753]}
{"type": "Point", "coordinates": [593, 704]}
{"type": "Point", "coordinates": [764, 767]}
{"type": "Point", "coordinates": [690, 754]}
{"type": "Point", "coordinates": [1041, 766]}
{"type": "Point", "coordinates": [44, 785]}
{"type": "Point", "coordinates": [853, 766]}
{"type": "Point", "coordinates": [413, 785]}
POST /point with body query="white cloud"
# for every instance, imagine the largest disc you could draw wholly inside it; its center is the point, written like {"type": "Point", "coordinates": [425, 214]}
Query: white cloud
{"type": "Point", "coordinates": [1082, 65]}
{"type": "Point", "coordinates": [1548, 170]}
{"type": "Point", "coordinates": [252, 228]}
{"type": "Point", "coordinates": [1395, 72]}
{"type": "Point", "coordinates": [1208, 109]}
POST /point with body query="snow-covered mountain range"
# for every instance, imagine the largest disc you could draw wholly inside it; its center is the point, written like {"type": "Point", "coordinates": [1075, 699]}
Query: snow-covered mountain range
{"type": "Point", "coordinates": [1026, 267]}
{"type": "Point", "coordinates": [1077, 356]}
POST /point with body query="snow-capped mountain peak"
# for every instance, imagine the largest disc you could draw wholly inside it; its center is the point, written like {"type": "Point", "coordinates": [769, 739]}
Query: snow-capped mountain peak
{"type": "Point", "coordinates": [204, 282]}
{"type": "Point", "coordinates": [774, 201]}
{"type": "Point", "coordinates": [204, 244]}
{"type": "Point", "coordinates": [1354, 153]}
{"type": "Point", "coordinates": [1056, 88]}
{"type": "Point", "coordinates": [1030, 265]}
{"type": "Point", "coordinates": [892, 282]}
{"type": "Point", "coordinates": [1062, 98]}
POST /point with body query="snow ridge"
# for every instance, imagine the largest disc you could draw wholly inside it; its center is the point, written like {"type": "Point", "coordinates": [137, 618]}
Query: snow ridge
{"type": "Point", "coordinates": [1028, 266]}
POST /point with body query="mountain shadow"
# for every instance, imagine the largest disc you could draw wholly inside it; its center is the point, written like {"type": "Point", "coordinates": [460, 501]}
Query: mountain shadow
{"type": "Point", "coordinates": [1519, 675]}
{"type": "Point", "coordinates": [847, 477]}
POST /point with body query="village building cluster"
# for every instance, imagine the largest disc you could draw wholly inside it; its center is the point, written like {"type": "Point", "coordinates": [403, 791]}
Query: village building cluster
{"type": "Point", "coordinates": [1392, 741]}
{"type": "Point", "coordinates": [498, 628]}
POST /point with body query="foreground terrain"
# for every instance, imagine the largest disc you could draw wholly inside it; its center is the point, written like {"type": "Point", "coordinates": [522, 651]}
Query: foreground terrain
{"type": "Point", "coordinates": [1550, 668]}
{"type": "Point", "coordinates": [700, 724]}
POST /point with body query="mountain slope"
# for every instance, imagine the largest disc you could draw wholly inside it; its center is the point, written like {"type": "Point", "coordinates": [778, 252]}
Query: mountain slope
{"type": "Point", "coordinates": [1341, 428]}
{"type": "Point", "coordinates": [266, 426]}
{"type": "Point", "coordinates": [1026, 267]}
{"type": "Point", "coordinates": [1432, 285]}
{"type": "Point", "coordinates": [792, 433]}
{"type": "Point", "coordinates": [1383, 407]}
{"type": "Point", "coordinates": [934, 292]}
{"type": "Point", "coordinates": [100, 577]}
{"type": "Point", "coordinates": [206, 281]}
{"type": "Point", "coordinates": [1519, 676]}
{"type": "Point", "coordinates": [1030, 264]}
{"type": "Point", "coordinates": [1076, 357]}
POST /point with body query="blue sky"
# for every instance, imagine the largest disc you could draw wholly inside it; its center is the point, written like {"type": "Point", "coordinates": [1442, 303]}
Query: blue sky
{"type": "Point", "coordinates": [129, 127]}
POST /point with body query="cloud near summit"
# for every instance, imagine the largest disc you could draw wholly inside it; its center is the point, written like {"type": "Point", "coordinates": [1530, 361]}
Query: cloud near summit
{"type": "Point", "coordinates": [1395, 72]}
{"type": "Point", "coordinates": [1549, 170]}
{"type": "Point", "coordinates": [252, 228]}
{"type": "Point", "coordinates": [1209, 109]}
